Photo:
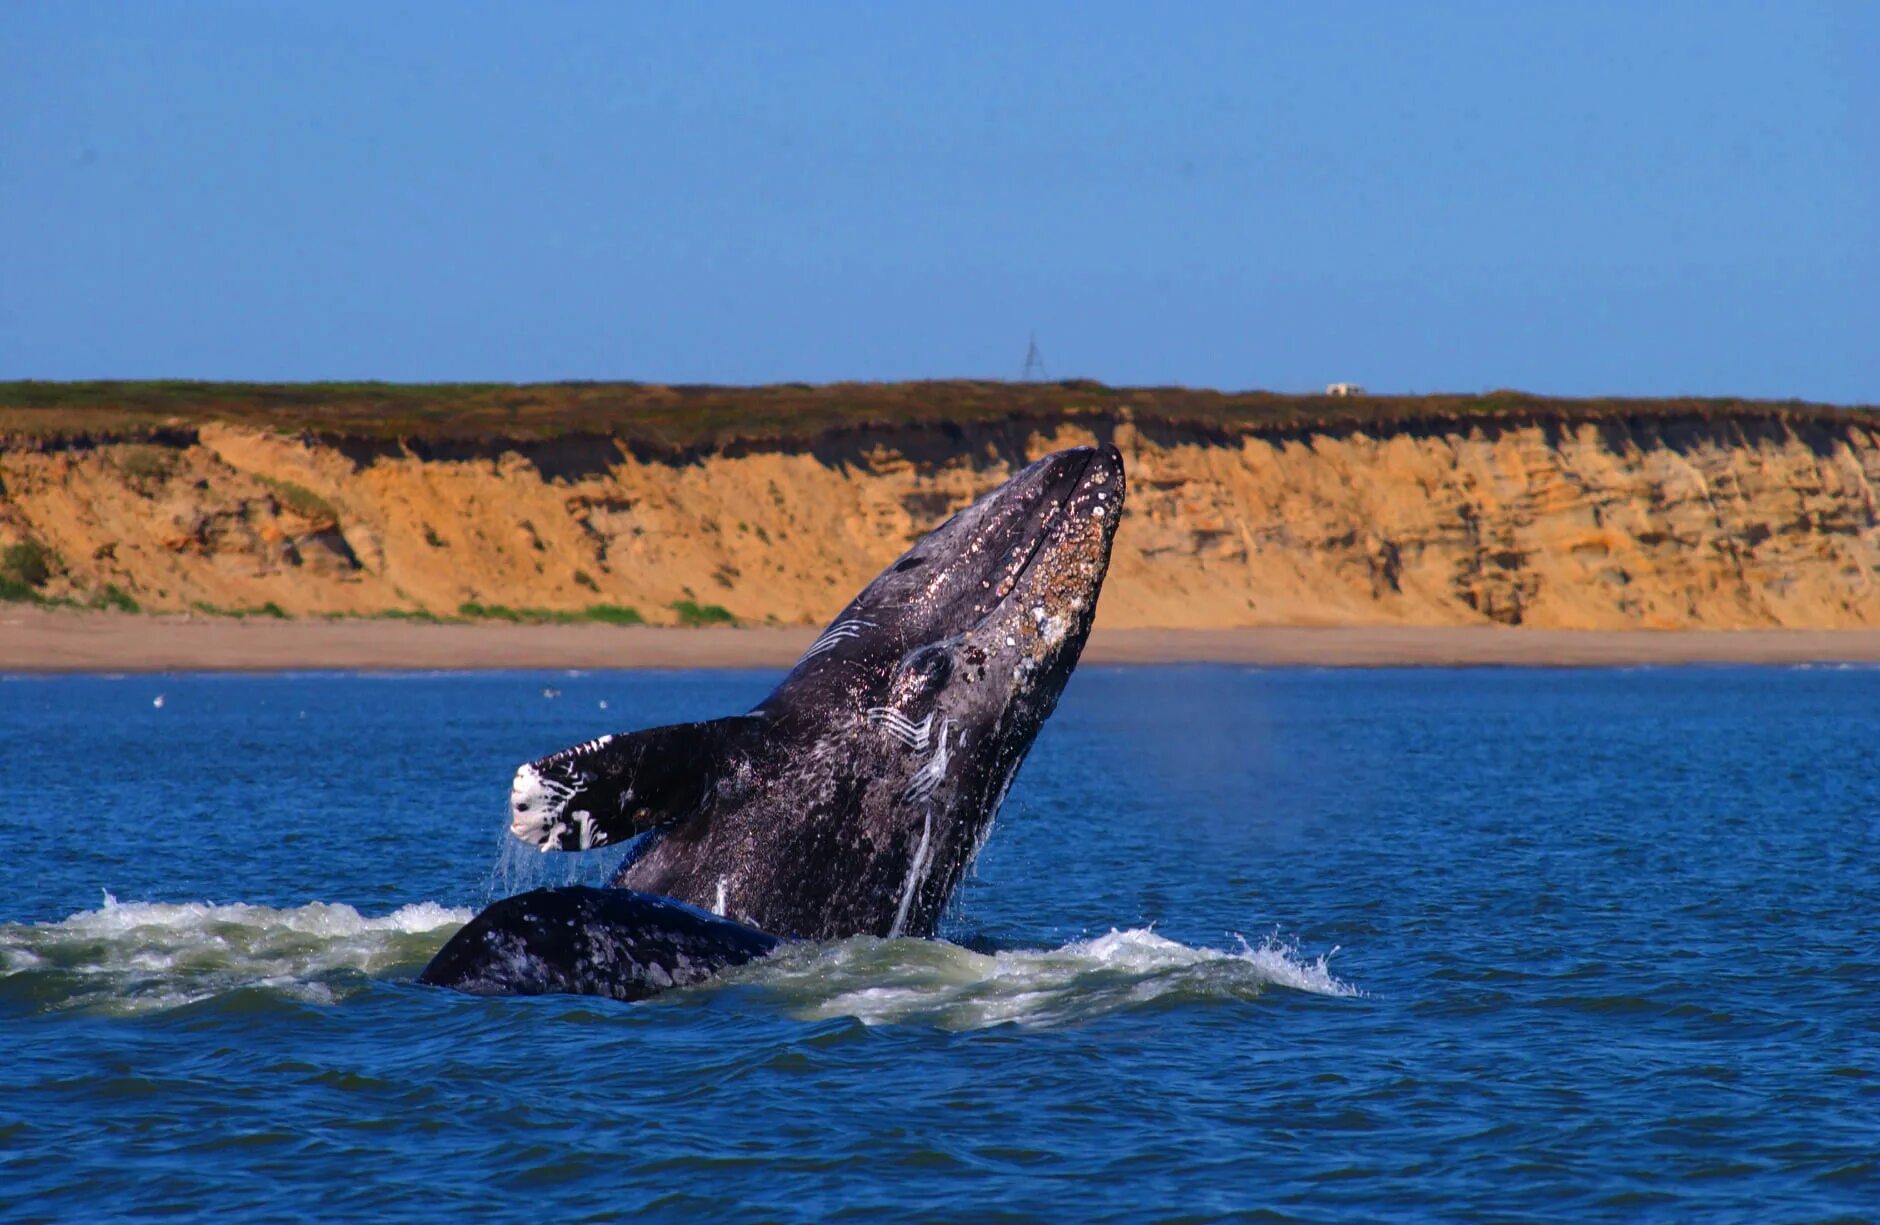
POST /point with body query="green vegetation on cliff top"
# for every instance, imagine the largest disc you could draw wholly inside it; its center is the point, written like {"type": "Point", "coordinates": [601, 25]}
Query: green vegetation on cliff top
{"type": "Point", "coordinates": [703, 417]}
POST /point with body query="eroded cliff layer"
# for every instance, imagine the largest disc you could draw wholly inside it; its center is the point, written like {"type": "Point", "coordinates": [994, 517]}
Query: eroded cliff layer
{"type": "Point", "coordinates": [1655, 520]}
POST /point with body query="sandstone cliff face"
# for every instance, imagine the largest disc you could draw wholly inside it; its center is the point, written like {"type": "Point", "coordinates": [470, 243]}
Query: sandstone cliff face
{"type": "Point", "coordinates": [1711, 522]}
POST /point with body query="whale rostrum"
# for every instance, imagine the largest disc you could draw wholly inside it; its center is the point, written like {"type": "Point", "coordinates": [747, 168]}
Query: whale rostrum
{"type": "Point", "coordinates": [853, 798]}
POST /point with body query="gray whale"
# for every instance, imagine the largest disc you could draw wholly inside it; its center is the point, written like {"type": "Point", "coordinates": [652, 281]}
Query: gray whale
{"type": "Point", "coordinates": [852, 799]}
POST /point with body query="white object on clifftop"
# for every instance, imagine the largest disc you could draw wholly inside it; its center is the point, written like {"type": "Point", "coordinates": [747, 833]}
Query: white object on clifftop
{"type": "Point", "coordinates": [1343, 389]}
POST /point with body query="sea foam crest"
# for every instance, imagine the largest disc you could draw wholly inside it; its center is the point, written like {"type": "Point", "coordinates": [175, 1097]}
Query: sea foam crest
{"type": "Point", "coordinates": [130, 957]}
{"type": "Point", "coordinates": [137, 957]}
{"type": "Point", "coordinates": [936, 983]}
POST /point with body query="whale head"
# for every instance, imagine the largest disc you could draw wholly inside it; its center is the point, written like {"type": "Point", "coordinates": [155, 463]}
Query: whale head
{"type": "Point", "coordinates": [982, 621]}
{"type": "Point", "coordinates": [1025, 562]}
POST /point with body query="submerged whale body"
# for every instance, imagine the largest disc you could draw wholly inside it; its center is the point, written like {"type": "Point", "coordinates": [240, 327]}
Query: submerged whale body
{"type": "Point", "coordinates": [851, 800]}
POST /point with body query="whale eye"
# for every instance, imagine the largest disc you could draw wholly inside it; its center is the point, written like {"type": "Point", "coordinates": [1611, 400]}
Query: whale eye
{"type": "Point", "coordinates": [909, 563]}
{"type": "Point", "coordinates": [933, 665]}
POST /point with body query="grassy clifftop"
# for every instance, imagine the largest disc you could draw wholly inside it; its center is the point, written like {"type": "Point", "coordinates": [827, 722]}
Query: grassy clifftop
{"type": "Point", "coordinates": [661, 417]}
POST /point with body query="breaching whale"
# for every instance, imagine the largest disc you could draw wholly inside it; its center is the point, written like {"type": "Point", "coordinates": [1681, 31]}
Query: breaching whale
{"type": "Point", "coordinates": [848, 802]}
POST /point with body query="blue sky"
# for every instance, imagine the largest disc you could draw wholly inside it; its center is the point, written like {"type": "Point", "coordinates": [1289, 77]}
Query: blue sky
{"type": "Point", "coordinates": [1576, 198]}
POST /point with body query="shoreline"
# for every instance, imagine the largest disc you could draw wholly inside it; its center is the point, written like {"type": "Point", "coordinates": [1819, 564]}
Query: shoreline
{"type": "Point", "coordinates": [35, 640]}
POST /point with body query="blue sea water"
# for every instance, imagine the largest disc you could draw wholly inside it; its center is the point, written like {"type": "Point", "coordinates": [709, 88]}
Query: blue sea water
{"type": "Point", "coordinates": [1249, 944]}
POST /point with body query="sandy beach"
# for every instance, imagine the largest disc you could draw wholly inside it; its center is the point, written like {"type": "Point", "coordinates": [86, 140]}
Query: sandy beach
{"type": "Point", "coordinates": [41, 640]}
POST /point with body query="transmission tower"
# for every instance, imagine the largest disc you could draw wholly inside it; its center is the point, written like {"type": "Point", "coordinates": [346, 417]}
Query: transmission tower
{"type": "Point", "coordinates": [1034, 363]}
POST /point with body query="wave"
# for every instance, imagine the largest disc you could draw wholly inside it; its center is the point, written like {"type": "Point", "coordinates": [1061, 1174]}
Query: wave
{"type": "Point", "coordinates": [935, 983]}
{"type": "Point", "coordinates": [136, 957]}
{"type": "Point", "coordinates": [141, 957]}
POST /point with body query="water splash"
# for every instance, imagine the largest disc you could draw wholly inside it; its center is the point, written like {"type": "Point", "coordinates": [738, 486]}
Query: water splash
{"type": "Point", "coordinates": [518, 867]}
{"type": "Point", "coordinates": [133, 957]}
{"type": "Point", "coordinates": [935, 983]}
{"type": "Point", "coordinates": [140, 957]}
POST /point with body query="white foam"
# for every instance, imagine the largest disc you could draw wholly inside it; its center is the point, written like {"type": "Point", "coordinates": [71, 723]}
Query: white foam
{"type": "Point", "coordinates": [139, 957]}
{"type": "Point", "coordinates": [130, 957]}
{"type": "Point", "coordinates": [935, 983]}
{"type": "Point", "coordinates": [330, 919]}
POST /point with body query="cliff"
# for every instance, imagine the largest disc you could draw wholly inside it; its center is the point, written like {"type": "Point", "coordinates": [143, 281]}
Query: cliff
{"type": "Point", "coordinates": [1509, 509]}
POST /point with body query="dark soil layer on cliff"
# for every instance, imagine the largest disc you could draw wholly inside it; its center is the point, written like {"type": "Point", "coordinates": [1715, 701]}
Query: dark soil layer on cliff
{"type": "Point", "coordinates": [665, 419]}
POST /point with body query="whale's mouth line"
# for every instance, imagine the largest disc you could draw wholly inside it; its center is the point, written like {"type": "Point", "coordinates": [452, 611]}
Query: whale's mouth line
{"type": "Point", "coordinates": [1052, 518]}
{"type": "Point", "coordinates": [1006, 585]}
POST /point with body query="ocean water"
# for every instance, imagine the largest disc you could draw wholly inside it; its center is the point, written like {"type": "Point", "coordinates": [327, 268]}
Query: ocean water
{"type": "Point", "coordinates": [1245, 944]}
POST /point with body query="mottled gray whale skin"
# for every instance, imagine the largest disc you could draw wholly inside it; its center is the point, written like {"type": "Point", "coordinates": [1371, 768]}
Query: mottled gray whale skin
{"type": "Point", "coordinates": [852, 799]}
{"type": "Point", "coordinates": [578, 940]}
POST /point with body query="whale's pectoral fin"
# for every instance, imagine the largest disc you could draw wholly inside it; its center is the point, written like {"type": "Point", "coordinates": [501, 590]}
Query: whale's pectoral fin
{"type": "Point", "coordinates": [608, 790]}
{"type": "Point", "coordinates": [585, 941]}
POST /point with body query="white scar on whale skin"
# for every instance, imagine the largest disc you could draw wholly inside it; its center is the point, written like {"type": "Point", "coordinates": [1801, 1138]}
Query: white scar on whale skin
{"type": "Point", "coordinates": [934, 772]}
{"type": "Point", "coordinates": [915, 871]}
{"type": "Point", "coordinates": [584, 820]}
{"type": "Point", "coordinates": [921, 788]}
{"type": "Point", "coordinates": [898, 725]}
{"type": "Point", "coordinates": [536, 804]}
{"type": "Point", "coordinates": [834, 636]}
